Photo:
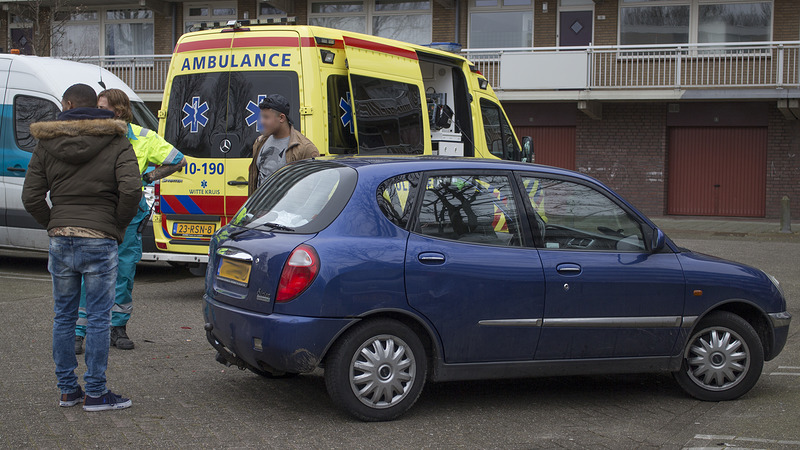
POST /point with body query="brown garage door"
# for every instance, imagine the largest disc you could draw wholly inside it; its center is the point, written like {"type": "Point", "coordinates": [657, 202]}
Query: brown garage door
{"type": "Point", "coordinates": [717, 171]}
{"type": "Point", "coordinates": [553, 146]}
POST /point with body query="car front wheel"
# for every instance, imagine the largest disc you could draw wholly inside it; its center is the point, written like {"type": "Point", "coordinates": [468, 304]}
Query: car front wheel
{"type": "Point", "coordinates": [376, 371]}
{"type": "Point", "coordinates": [722, 360]}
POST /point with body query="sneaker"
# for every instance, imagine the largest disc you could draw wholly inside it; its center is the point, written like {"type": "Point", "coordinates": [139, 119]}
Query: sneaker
{"type": "Point", "coordinates": [120, 339]}
{"type": "Point", "coordinates": [79, 345]}
{"type": "Point", "coordinates": [105, 402]}
{"type": "Point", "coordinates": [73, 399]}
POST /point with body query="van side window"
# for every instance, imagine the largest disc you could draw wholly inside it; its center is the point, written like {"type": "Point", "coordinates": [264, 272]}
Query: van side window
{"type": "Point", "coordinates": [396, 197]}
{"type": "Point", "coordinates": [388, 116]}
{"type": "Point", "coordinates": [28, 110]}
{"type": "Point", "coordinates": [341, 126]}
{"type": "Point", "coordinates": [499, 136]}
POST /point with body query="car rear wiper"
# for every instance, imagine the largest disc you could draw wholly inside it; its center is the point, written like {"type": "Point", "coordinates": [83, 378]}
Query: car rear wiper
{"type": "Point", "coordinates": [276, 226]}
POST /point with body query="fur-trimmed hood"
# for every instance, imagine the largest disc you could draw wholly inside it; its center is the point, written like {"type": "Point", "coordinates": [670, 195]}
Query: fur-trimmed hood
{"type": "Point", "coordinates": [77, 141]}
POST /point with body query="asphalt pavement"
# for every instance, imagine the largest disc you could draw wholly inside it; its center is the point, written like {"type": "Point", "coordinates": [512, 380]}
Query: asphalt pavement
{"type": "Point", "coordinates": [182, 398]}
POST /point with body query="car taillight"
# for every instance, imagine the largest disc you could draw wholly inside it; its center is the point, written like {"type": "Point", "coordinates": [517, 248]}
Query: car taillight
{"type": "Point", "coordinates": [157, 197]}
{"type": "Point", "coordinates": [299, 272]}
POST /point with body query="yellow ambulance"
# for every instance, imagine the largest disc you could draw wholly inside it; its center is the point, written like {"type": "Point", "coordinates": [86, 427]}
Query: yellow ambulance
{"type": "Point", "coordinates": [351, 94]}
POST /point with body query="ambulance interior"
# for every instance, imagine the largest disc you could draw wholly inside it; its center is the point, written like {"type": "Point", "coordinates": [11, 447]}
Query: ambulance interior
{"type": "Point", "coordinates": [447, 106]}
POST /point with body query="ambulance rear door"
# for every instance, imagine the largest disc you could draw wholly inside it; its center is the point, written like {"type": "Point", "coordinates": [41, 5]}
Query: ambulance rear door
{"type": "Point", "coordinates": [387, 96]}
{"type": "Point", "coordinates": [263, 62]}
{"type": "Point", "coordinates": [197, 123]}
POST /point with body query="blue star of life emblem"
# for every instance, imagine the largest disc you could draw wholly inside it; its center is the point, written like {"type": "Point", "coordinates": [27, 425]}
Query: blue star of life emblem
{"type": "Point", "coordinates": [195, 115]}
{"type": "Point", "coordinates": [255, 112]}
{"type": "Point", "coordinates": [347, 113]}
{"type": "Point", "coordinates": [203, 184]}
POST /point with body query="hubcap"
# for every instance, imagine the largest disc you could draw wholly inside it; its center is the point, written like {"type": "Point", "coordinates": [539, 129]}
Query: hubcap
{"type": "Point", "coordinates": [718, 359]}
{"type": "Point", "coordinates": [382, 371]}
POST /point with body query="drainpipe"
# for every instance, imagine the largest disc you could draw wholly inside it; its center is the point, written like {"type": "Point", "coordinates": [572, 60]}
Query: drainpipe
{"type": "Point", "coordinates": [174, 24]}
{"type": "Point", "coordinates": [458, 21]}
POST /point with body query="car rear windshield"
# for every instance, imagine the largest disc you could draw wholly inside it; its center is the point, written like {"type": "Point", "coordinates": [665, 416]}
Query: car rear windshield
{"type": "Point", "coordinates": [304, 197]}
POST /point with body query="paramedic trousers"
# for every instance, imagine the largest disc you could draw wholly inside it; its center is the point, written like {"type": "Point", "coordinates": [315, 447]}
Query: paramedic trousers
{"type": "Point", "coordinates": [94, 261]}
{"type": "Point", "coordinates": [130, 252]}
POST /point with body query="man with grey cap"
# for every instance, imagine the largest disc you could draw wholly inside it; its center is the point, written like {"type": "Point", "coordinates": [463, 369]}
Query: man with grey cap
{"type": "Point", "coordinates": [279, 143]}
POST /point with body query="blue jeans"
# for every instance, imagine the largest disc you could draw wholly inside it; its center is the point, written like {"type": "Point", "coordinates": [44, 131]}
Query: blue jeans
{"type": "Point", "coordinates": [94, 260]}
{"type": "Point", "coordinates": [128, 255]}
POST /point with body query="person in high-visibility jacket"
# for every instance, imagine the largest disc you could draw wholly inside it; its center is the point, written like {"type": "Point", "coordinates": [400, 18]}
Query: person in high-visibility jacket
{"type": "Point", "coordinates": [150, 148]}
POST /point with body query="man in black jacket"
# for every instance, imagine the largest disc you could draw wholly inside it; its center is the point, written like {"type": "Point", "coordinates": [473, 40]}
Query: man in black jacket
{"type": "Point", "coordinates": [87, 164]}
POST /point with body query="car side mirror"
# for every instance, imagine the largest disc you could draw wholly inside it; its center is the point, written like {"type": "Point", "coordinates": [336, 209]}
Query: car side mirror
{"type": "Point", "coordinates": [659, 241]}
{"type": "Point", "coordinates": [527, 150]}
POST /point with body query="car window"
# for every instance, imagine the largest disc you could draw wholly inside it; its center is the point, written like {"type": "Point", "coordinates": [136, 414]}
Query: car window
{"type": "Point", "coordinates": [470, 208]}
{"type": "Point", "coordinates": [574, 216]}
{"type": "Point", "coordinates": [303, 197]}
{"type": "Point", "coordinates": [499, 136]}
{"type": "Point", "coordinates": [388, 117]}
{"type": "Point", "coordinates": [396, 197]}
{"type": "Point", "coordinates": [29, 110]}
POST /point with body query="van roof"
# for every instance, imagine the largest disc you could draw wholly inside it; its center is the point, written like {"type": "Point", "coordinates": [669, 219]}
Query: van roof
{"type": "Point", "coordinates": [54, 75]}
{"type": "Point", "coordinates": [330, 33]}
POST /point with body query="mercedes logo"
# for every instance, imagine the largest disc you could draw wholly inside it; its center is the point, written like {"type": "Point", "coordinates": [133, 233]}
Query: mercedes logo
{"type": "Point", "coordinates": [225, 146]}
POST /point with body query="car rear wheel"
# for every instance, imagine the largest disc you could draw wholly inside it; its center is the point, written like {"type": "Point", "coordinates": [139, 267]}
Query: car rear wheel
{"type": "Point", "coordinates": [722, 360]}
{"type": "Point", "coordinates": [376, 371]}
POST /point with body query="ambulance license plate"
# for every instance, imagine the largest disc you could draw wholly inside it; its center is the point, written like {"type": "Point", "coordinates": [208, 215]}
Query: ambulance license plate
{"type": "Point", "coordinates": [194, 229]}
{"type": "Point", "coordinates": [235, 272]}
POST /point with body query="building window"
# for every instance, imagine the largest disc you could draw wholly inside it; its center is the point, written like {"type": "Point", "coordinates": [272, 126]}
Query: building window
{"type": "Point", "coordinates": [124, 32]}
{"type": "Point", "coordinates": [501, 23]}
{"type": "Point", "coordinates": [197, 13]}
{"type": "Point", "coordinates": [404, 20]}
{"type": "Point", "coordinates": [693, 21]}
{"type": "Point", "coordinates": [267, 11]}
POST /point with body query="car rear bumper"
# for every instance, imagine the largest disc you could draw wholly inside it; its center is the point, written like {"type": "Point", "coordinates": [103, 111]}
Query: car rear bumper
{"type": "Point", "coordinates": [270, 342]}
{"type": "Point", "coordinates": [780, 333]}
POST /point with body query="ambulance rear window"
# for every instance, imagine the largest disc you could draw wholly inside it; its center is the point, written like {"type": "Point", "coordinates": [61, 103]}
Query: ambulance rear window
{"type": "Point", "coordinates": [388, 117]}
{"type": "Point", "coordinates": [216, 114]}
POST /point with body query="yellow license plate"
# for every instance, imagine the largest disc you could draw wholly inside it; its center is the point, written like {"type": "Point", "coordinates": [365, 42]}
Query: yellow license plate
{"type": "Point", "coordinates": [194, 229]}
{"type": "Point", "coordinates": [233, 271]}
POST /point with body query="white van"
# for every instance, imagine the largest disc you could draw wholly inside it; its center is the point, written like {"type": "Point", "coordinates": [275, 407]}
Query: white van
{"type": "Point", "coordinates": [30, 89]}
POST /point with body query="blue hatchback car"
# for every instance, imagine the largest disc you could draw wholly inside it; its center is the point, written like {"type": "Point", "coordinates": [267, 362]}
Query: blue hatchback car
{"type": "Point", "coordinates": [390, 272]}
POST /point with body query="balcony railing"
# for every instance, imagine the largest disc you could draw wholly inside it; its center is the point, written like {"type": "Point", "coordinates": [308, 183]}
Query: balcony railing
{"type": "Point", "coordinates": [145, 74]}
{"type": "Point", "coordinates": [685, 66]}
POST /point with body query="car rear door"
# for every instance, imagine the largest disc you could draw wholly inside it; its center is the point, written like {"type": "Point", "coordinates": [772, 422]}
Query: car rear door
{"type": "Point", "coordinates": [607, 294]}
{"type": "Point", "coordinates": [470, 270]}
{"type": "Point", "coordinates": [387, 98]}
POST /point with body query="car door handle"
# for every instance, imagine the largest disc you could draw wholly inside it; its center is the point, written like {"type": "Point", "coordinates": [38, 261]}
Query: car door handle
{"type": "Point", "coordinates": [569, 269]}
{"type": "Point", "coordinates": [15, 169]}
{"type": "Point", "coordinates": [431, 258]}
{"type": "Point", "coordinates": [237, 183]}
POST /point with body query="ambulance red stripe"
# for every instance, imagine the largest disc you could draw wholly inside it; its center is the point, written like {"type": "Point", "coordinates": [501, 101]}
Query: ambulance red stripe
{"type": "Point", "coordinates": [206, 44]}
{"type": "Point", "coordinates": [376, 47]}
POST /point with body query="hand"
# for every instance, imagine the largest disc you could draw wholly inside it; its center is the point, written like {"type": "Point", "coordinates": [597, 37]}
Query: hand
{"type": "Point", "coordinates": [147, 178]}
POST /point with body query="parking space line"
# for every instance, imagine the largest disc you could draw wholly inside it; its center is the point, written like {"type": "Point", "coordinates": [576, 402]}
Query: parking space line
{"type": "Point", "coordinates": [789, 367]}
{"type": "Point", "coordinates": [786, 374]}
{"type": "Point", "coordinates": [22, 277]}
{"type": "Point", "coordinates": [717, 437]}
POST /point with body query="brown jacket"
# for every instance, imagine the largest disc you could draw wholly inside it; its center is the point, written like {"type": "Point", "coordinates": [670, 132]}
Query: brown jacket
{"type": "Point", "coordinates": [299, 148]}
{"type": "Point", "coordinates": [90, 170]}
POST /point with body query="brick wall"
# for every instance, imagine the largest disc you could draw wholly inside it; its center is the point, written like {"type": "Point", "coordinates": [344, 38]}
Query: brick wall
{"type": "Point", "coordinates": [162, 29]}
{"type": "Point", "coordinates": [4, 31]}
{"type": "Point", "coordinates": [605, 31]}
{"type": "Point", "coordinates": [544, 23]}
{"type": "Point", "coordinates": [786, 23]}
{"type": "Point", "coordinates": [783, 163]}
{"type": "Point", "coordinates": [627, 151]}
{"type": "Point", "coordinates": [444, 24]}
